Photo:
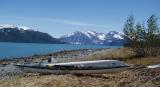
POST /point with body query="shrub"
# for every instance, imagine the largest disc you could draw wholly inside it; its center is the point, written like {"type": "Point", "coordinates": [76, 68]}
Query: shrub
{"type": "Point", "coordinates": [144, 40]}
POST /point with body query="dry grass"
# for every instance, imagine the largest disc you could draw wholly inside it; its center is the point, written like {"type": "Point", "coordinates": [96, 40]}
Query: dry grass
{"type": "Point", "coordinates": [53, 81]}
{"type": "Point", "coordinates": [129, 78]}
{"type": "Point", "coordinates": [120, 53]}
{"type": "Point", "coordinates": [123, 54]}
{"type": "Point", "coordinates": [144, 61]}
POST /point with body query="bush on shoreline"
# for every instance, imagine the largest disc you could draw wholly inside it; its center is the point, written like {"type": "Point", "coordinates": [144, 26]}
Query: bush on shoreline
{"type": "Point", "coordinates": [145, 41]}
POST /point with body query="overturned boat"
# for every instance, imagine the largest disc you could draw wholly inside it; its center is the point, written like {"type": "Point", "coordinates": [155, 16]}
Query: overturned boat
{"type": "Point", "coordinates": [82, 67]}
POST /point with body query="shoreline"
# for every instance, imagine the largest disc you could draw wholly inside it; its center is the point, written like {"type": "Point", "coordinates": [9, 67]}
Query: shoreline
{"type": "Point", "coordinates": [137, 76]}
{"type": "Point", "coordinates": [8, 70]}
{"type": "Point", "coordinates": [65, 54]}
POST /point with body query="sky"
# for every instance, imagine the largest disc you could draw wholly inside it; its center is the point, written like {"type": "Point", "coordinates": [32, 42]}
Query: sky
{"type": "Point", "coordinates": [60, 17]}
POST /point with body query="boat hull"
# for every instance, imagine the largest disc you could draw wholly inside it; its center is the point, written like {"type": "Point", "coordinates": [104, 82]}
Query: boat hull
{"type": "Point", "coordinates": [51, 71]}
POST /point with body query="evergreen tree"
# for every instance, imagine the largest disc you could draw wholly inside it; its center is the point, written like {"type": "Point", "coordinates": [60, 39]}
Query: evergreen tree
{"type": "Point", "coordinates": [144, 41]}
{"type": "Point", "coordinates": [152, 31]}
{"type": "Point", "coordinates": [129, 30]}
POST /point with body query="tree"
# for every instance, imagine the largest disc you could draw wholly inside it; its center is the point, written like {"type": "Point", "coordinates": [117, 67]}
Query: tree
{"type": "Point", "coordinates": [144, 41]}
{"type": "Point", "coordinates": [152, 37]}
{"type": "Point", "coordinates": [129, 30]}
{"type": "Point", "coordinates": [152, 31]}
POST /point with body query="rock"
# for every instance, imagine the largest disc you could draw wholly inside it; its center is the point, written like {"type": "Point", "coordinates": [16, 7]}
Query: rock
{"type": "Point", "coordinates": [8, 71]}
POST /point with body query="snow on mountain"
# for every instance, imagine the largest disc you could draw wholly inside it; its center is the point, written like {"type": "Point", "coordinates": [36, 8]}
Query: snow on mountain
{"type": "Point", "coordinates": [24, 28]}
{"type": "Point", "coordinates": [80, 38]}
{"type": "Point", "coordinates": [91, 32]}
{"type": "Point", "coordinates": [117, 36]}
{"type": "Point", "coordinates": [91, 37]}
{"type": "Point", "coordinates": [87, 34]}
{"type": "Point", "coordinates": [101, 36]}
{"type": "Point", "coordinates": [6, 26]}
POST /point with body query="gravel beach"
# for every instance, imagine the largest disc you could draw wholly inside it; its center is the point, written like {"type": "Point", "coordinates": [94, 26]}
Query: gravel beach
{"type": "Point", "coordinates": [137, 76]}
{"type": "Point", "coordinates": [8, 70]}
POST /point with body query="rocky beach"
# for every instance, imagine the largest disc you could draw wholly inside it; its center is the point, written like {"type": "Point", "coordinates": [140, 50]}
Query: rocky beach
{"type": "Point", "coordinates": [8, 70]}
{"type": "Point", "coordinates": [137, 76]}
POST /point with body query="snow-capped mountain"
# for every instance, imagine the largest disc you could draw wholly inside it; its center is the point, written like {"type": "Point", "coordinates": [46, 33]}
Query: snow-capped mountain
{"type": "Point", "coordinates": [81, 38]}
{"type": "Point", "coordinates": [91, 37]}
{"type": "Point", "coordinates": [6, 26]}
{"type": "Point", "coordinates": [113, 38]}
{"type": "Point", "coordinates": [11, 33]}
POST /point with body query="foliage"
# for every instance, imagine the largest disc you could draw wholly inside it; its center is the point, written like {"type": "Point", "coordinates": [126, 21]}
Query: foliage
{"type": "Point", "coordinates": [145, 41]}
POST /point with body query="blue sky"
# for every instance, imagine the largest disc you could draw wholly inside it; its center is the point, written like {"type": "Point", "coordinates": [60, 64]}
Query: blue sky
{"type": "Point", "coordinates": [59, 17]}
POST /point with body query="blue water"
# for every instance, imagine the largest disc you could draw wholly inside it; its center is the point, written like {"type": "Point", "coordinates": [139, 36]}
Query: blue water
{"type": "Point", "coordinates": [13, 50]}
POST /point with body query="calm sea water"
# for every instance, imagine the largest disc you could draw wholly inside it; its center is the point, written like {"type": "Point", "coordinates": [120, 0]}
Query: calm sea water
{"type": "Point", "coordinates": [13, 50]}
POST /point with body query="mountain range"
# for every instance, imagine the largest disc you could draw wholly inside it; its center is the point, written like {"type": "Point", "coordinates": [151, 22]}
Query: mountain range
{"type": "Point", "coordinates": [111, 38]}
{"type": "Point", "coordinates": [11, 33]}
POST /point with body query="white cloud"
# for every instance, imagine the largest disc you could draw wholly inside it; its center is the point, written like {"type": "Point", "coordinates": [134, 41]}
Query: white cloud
{"type": "Point", "coordinates": [76, 23]}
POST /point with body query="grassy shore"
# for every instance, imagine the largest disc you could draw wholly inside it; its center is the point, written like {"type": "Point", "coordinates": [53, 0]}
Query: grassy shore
{"type": "Point", "coordinates": [133, 77]}
{"type": "Point", "coordinates": [122, 54]}
{"type": "Point", "coordinates": [130, 78]}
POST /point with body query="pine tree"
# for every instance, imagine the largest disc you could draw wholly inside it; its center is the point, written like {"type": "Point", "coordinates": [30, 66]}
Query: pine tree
{"type": "Point", "coordinates": [152, 31]}
{"type": "Point", "coordinates": [144, 41]}
{"type": "Point", "coordinates": [129, 30]}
